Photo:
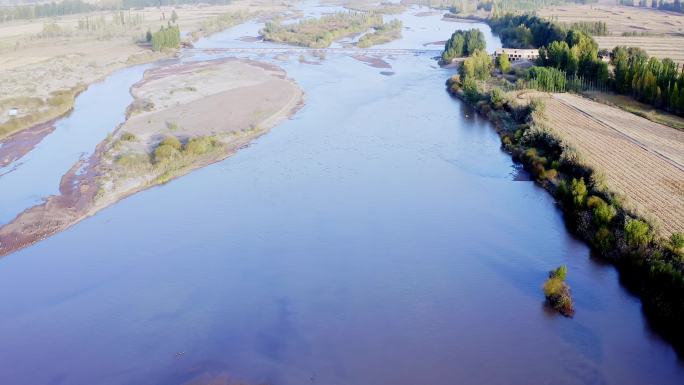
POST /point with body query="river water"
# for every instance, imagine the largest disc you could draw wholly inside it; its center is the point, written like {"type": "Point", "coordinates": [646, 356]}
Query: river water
{"type": "Point", "coordinates": [380, 236]}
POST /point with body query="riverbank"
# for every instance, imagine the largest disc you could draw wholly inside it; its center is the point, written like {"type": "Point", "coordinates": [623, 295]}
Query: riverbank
{"type": "Point", "coordinates": [650, 265]}
{"type": "Point", "coordinates": [184, 117]}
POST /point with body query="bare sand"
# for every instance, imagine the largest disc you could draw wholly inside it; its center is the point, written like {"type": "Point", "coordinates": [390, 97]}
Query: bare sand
{"type": "Point", "coordinates": [227, 103]}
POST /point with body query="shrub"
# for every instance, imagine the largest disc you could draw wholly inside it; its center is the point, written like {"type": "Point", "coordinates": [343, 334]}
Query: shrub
{"type": "Point", "coordinates": [503, 63]}
{"type": "Point", "coordinates": [560, 272]}
{"type": "Point", "coordinates": [603, 213]}
{"type": "Point", "coordinates": [677, 242]}
{"type": "Point", "coordinates": [579, 192]}
{"type": "Point", "coordinates": [551, 174]}
{"type": "Point", "coordinates": [470, 90]}
{"type": "Point", "coordinates": [557, 292]}
{"type": "Point", "coordinates": [201, 145]}
{"type": "Point", "coordinates": [637, 233]}
{"type": "Point", "coordinates": [165, 153]}
{"type": "Point", "coordinates": [603, 239]}
{"type": "Point", "coordinates": [127, 137]}
{"type": "Point", "coordinates": [171, 141]}
{"type": "Point", "coordinates": [497, 97]}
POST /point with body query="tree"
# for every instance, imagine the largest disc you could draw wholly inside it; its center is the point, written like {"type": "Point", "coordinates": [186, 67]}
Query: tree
{"type": "Point", "coordinates": [503, 63]}
{"type": "Point", "coordinates": [148, 36]}
{"type": "Point", "coordinates": [637, 233]}
{"type": "Point", "coordinates": [478, 66]}
{"type": "Point", "coordinates": [463, 43]}
{"type": "Point", "coordinates": [579, 192]}
{"type": "Point", "coordinates": [174, 16]}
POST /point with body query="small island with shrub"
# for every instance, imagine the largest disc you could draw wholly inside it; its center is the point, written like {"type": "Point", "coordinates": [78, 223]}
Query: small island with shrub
{"type": "Point", "coordinates": [557, 292]}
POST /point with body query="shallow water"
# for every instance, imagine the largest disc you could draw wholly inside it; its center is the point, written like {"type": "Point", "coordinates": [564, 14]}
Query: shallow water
{"type": "Point", "coordinates": [379, 237]}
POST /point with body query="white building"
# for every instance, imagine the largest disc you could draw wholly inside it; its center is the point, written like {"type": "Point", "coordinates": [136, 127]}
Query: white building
{"type": "Point", "coordinates": [515, 54]}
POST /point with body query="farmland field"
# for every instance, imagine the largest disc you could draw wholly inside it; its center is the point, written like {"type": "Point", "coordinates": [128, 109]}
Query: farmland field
{"type": "Point", "coordinates": [660, 33]}
{"type": "Point", "coordinates": [639, 158]}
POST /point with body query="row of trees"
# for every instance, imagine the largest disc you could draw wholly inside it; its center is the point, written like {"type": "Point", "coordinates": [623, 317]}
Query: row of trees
{"type": "Point", "coordinates": [526, 31]}
{"type": "Point", "coordinates": [675, 5]}
{"type": "Point", "coordinates": [650, 80]}
{"type": "Point", "coordinates": [463, 43]}
{"type": "Point", "coordinates": [576, 55]}
{"type": "Point", "coordinates": [70, 7]}
{"type": "Point", "coordinates": [25, 12]}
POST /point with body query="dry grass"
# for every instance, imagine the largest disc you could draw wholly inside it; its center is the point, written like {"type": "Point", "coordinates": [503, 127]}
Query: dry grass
{"type": "Point", "coordinates": [640, 159]}
{"type": "Point", "coordinates": [661, 33]}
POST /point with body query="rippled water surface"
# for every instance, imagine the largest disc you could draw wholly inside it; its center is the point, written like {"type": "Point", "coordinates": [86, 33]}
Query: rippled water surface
{"type": "Point", "coordinates": [379, 237]}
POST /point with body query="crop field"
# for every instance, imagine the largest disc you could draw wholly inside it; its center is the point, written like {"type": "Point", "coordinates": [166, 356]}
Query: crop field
{"type": "Point", "coordinates": [640, 159]}
{"type": "Point", "coordinates": [660, 33]}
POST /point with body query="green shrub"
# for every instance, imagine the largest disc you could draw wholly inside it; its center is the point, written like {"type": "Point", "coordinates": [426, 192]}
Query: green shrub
{"type": "Point", "coordinates": [503, 63]}
{"type": "Point", "coordinates": [497, 97]}
{"type": "Point", "coordinates": [677, 242]}
{"type": "Point", "coordinates": [604, 214]}
{"type": "Point", "coordinates": [165, 153]}
{"type": "Point", "coordinates": [171, 141]}
{"type": "Point", "coordinates": [557, 292]}
{"type": "Point", "coordinates": [471, 91]}
{"type": "Point", "coordinates": [638, 233]}
{"type": "Point", "coordinates": [127, 137]}
{"type": "Point", "coordinates": [201, 145]}
{"type": "Point", "coordinates": [560, 272]}
{"type": "Point", "coordinates": [579, 192]}
{"type": "Point", "coordinates": [603, 239]}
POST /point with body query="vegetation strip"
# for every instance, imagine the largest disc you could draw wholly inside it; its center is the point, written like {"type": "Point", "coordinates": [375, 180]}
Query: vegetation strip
{"type": "Point", "coordinates": [654, 265]}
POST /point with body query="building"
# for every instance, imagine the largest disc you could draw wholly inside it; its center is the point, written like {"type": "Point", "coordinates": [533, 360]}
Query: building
{"type": "Point", "coordinates": [515, 54]}
{"type": "Point", "coordinates": [13, 112]}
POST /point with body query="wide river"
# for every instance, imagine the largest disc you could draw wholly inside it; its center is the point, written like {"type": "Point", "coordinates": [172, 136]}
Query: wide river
{"type": "Point", "coordinates": [380, 236]}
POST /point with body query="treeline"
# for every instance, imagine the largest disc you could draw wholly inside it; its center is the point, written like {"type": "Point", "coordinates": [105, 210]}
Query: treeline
{"type": "Point", "coordinates": [596, 28]}
{"type": "Point", "coordinates": [650, 80]}
{"type": "Point", "coordinates": [27, 12]}
{"type": "Point", "coordinates": [673, 6]}
{"type": "Point", "coordinates": [70, 7]}
{"type": "Point", "coordinates": [526, 31]}
{"type": "Point", "coordinates": [463, 43]}
{"type": "Point", "coordinates": [166, 37]}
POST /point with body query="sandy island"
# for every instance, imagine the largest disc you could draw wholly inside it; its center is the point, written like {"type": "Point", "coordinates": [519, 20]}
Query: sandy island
{"type": "Point", "coordinates": [184, 116]}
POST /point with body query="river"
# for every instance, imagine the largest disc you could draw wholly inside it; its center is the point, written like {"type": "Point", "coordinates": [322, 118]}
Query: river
{"type": "Point", "coordinates": [380, 236]}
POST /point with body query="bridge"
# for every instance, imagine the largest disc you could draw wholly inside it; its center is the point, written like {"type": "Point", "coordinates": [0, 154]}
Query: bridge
{"type": "Point", "coordinates": [302, 50]}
